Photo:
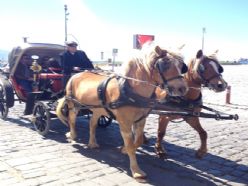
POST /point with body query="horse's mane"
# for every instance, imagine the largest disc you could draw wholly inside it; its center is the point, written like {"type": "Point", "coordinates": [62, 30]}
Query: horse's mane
{"type": "Point", "coordinates": [145, 58]}
{"type": "Point", "coordinates": [191, 62]}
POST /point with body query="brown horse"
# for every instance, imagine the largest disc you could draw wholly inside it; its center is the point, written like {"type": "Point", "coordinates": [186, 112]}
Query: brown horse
{"type": "Point", "coordinates": [142, 75]}
{"type": "Point", "coordinates": [203, 71]}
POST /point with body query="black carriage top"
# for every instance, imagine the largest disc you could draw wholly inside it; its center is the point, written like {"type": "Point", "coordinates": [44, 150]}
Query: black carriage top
{"type": "Point", "coordinates": [44, 51]}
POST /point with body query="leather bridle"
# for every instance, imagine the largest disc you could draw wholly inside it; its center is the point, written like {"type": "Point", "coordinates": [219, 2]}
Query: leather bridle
{"type": "Point", "coordinates": [205, 81]}
{"type": "Point", "coordinates": [162, 65]}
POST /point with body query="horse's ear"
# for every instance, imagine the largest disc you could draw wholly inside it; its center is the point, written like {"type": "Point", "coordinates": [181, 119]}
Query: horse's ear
{"type": "Point", "coordinates": [199, 54]}
{"type": "Point", "coordinates": [214, 55]}
{"type": "Point", "coordinates": [158, 50]}
{"type": "Point", "coordinates": [181, 47]}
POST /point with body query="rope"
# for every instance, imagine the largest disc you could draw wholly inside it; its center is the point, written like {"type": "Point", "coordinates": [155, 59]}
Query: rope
{"type": "Point", "coordinates": [126, 77]}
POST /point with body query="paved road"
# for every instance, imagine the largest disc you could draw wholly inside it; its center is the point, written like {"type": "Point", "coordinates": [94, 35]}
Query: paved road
{"type": "Point", "coordinates": [26, 158]}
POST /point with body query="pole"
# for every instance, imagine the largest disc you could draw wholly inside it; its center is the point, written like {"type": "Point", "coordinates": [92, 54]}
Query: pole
{"type": "Point", "coordinates": [228, 94]}
{"type": "Point", "coordinates": [113, 63]}
{"type": "Point", "coordinates": [203, 32]}
{"type": "Point", "coordinates": [66, 14]}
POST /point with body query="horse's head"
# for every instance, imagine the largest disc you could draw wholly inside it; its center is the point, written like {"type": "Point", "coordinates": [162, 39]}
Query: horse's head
{"type": "Point", "coordinates": [166, 69]}
{"type": "Point", "coordinates": [207, 70]}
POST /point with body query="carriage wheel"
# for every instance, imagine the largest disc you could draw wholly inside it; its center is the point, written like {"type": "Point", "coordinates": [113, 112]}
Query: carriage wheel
{"type": "Point", "coordinates": [41, 118]}
{"type": "Point", "coordinates": [3, 106]}
{"type": "Point", "coordinates": [6, 97]}
{"type": "Point", "coordinates": [104, 121]}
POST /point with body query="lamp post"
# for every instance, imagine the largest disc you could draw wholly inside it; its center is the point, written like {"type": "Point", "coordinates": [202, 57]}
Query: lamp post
{"type": "Point", "coordinates": [203, 32]}
{"type": "Point", "coordinates": [66, 14]}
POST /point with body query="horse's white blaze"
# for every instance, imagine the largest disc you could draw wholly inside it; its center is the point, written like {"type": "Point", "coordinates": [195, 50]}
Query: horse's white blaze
{"type": "Point", "coordinates": [177, 64]}
{"type": "Point", "coordinates": [215, 67]}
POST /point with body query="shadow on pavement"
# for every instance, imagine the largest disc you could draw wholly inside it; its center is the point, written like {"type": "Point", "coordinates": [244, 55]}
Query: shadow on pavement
{"type": "Point", "coordinates": [159, 172]}
{"type": "Point", "coordinates": [210, 166]}
{"type": "Point", "coordinates": [182, 165]}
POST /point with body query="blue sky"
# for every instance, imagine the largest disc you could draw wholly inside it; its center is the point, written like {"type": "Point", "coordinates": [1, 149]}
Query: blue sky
{"type": "Point", "coordinates": [101, 25]}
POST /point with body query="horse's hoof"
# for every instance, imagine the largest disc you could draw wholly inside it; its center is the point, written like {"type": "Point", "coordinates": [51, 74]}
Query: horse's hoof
{"type": "Point", "coordinates": [200, 154]}
{"type": "Point", "coordinates": [145, 141]}
{"type": "Point", "coordinates": [139, 176]}
{"type": "Point", "coordinates": [70, 137]}
{"type": "Point", "coordinates": [93, 145]}
{"type": "Point", "coordinates": [142, 179]}
{"type": "Point", "coordinates": [162, 156]}
{"type": "Point", "coordinates": [160, 153]}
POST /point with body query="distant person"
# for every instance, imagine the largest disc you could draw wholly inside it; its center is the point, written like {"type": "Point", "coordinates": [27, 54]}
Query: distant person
{"type": "Point", "coordinates": [24, 78]}
{"type": "Point", "coordinates": [23, 74]}
{"type": "Point", "coordinates": [51, 62]}
{"type": "Point", "coordinates": [72, 58]}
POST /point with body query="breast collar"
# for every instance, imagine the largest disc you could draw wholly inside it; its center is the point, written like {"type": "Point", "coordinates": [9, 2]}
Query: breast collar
{"type": "Point", "coordinates": [127, 97]}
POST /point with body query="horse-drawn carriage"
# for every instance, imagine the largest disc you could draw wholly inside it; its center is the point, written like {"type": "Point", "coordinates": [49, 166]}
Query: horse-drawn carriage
{"type": "Point", "coordinates": [45, 81]}
{"type": "Point", "coordinates": [128, 98]}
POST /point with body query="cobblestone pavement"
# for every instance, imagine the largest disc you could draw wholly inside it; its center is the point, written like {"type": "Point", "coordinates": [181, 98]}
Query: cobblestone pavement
{"type": "Point", "coordinates": [26, 158]}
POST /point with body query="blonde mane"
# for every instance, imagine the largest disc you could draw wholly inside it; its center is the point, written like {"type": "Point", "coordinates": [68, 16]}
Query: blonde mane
{"type": "Point", "coordinates": [146, 58]}
{"type": "Point", "coordinates": [194, 62]}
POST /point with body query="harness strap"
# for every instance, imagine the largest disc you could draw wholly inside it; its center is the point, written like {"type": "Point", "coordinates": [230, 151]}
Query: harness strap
{"type": "Point", "coordinates": [181, 102]}
{"type": "Point", "coordinates": [143, 116]}
{"type": "Point", "coordinates": [101, 92]}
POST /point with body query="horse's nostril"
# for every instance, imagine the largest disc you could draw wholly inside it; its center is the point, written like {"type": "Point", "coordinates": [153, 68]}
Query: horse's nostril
{"type": "Point", "coordinates": [171, 89]}
{"type": "Point", "coordinates": [220, 86]}
{"type": "Point", "coordinates": [182, 89]}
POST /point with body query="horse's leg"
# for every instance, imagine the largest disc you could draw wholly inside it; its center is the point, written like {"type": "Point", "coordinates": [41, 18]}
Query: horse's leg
{"type": "Point", "coordinates": [139, 133]}
{"type": "Point", "coordinates": [162, 125]}
{"type": "Point", "coordinates": [194, 122]}
{"type": "Point", "coordinates": [93, 125]}
{"type": "Point", "coordinates": [126, 132]}
{"type": "Point", "coordinates": [72, 122]}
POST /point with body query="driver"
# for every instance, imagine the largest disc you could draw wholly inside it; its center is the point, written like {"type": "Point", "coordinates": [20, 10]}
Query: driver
{"type": "Point", "coordinates": [73, 58]}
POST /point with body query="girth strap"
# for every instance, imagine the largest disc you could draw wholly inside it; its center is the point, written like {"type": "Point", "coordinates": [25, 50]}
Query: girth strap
{"type": "Point", "coordinates": [101, 92]}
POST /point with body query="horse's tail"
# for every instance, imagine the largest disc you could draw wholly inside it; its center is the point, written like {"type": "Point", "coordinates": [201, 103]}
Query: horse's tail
{"type": "Point", "coordinates": [60, 115]}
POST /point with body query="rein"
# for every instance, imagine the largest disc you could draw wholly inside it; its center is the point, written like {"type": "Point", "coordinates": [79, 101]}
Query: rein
{"type": "Point", "coordinates": [206, 81]}
{"type": "Point", "coordinates": [110, 74]}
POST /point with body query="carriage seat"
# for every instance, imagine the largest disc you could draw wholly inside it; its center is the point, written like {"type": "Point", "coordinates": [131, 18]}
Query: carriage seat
{"type": "Point", "coordinates": [55, 80]}
{"type": "Point", "coordinates": [20, 91]}
{"type": "Point", "coordinates": [52, 65]}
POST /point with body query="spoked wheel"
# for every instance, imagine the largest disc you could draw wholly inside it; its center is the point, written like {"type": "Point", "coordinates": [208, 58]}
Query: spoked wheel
{"type": "Point", "coordinates": [104, 121]}
{"type": "Point", "coordinates": [41, 118]}
{"type": "Point", "coordinates": [3, 106]}
{"type": "Point", "coordinates": [6, 97]}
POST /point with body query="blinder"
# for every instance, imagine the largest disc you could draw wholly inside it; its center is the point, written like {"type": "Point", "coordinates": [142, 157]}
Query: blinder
{"type": "Point", "coordinates": [184, 69]}
{"type": "Point", "coordinates": [201, 68]}
{"type": "Point", "coordinates": [220, 69]}
{"type": "Point", "coordinates": [161, 65]}
{"type": "Point", "coordinates": [164, 66]}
